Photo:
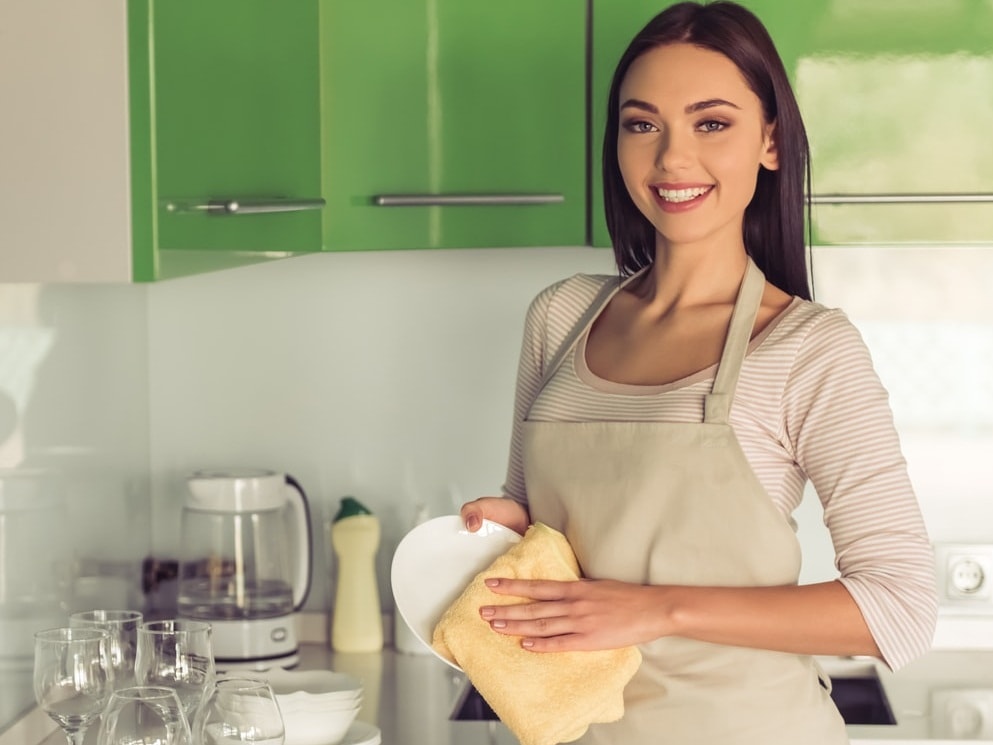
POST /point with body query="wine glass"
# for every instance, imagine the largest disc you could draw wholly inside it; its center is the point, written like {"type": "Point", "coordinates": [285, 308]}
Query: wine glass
{"type": "Point", "coordinates": [239, 710]}
{"type": "Point", "coordinates": [176, 654]}
{"type": "Point", "coordinates": [144, 715]}
{"type": "Point", "coordinates": [72, 677]}
{"type": "Point", "coordinates": [122, 627]}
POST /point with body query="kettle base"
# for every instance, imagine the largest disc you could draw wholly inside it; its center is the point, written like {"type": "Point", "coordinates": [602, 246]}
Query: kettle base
{"type": "Point", "coordinates": [259, 642]}
{"type": "Point", "coordinates": [258, 665]}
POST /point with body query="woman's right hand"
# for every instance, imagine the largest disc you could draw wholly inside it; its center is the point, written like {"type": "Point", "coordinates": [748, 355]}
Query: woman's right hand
{"type": "Point", "coordinates": [501, 510]}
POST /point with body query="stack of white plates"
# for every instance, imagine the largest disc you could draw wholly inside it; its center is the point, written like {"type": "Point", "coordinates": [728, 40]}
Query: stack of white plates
{"type": "Point", "coordinates": [319, 707]}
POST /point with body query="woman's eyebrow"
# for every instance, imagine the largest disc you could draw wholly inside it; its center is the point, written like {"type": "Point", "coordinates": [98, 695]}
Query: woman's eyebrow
{"type": "Point", "coordinates": [637, 103]}
{"type": "Point", "coordinates": [709, 104]}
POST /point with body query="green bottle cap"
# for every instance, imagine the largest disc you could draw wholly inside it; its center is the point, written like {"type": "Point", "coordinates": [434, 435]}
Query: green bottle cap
{"type": "Point", "coordinates": [350, 507]}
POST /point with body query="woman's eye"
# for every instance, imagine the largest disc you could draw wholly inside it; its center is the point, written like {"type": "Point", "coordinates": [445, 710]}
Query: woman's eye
{"type": "Point", "coordinates": [639, 126]}
{"type": "Point", "coordinates": [711, 125]}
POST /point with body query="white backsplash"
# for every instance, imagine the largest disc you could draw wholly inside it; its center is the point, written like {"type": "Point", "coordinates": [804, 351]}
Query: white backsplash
{"type": "Point", "coordinates": [927, 315]}
{"type": "Point", "coordinates": [74, 496]}
{"type": "Point", "coordinates": [384, 376]}
{"type": "Point", "coordinates": [389, 376]}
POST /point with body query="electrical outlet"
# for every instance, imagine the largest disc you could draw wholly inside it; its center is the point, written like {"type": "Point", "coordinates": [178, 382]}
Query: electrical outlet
{"type": "Point", "coordinates": [965, 575]}
{"type": "Point", "coordinates": [962, 714]}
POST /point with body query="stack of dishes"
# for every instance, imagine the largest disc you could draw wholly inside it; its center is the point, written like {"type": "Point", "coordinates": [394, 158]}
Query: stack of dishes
{"type": "Point", "coordinates": [319, 707]}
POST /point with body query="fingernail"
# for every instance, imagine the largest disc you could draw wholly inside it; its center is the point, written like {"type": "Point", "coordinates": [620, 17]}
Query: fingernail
{"type": "Point", "coordinates": [498, 624]}
{"type": "Point", "coordinates": [472, 523]}
{"type": "Point", "coordinates": [526, 643]}
{"type": "Point", "coordinates": [486, 612]}
{"type": "Point", "coordinates": [491, 582]}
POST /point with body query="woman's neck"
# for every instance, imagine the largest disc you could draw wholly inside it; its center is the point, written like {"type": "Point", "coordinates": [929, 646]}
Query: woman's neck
{"type": "Point", "coordinates": [692, 275]}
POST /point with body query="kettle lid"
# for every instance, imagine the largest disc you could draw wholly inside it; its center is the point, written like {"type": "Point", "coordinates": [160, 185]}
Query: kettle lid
{"type": "Point", "coordinates": [236, 490]}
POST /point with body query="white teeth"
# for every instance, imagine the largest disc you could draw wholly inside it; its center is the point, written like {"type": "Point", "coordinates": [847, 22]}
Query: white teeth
{"type": "Point", "coordinates": [682, 195]}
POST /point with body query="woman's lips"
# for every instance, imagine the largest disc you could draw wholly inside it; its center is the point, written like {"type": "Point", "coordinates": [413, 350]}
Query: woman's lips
{"type": "Point", "coordinates": [680, 198]}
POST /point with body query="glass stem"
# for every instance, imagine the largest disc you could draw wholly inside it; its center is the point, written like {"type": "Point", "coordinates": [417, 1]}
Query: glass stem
{"type": "Point", "coordinates": [75, 737]}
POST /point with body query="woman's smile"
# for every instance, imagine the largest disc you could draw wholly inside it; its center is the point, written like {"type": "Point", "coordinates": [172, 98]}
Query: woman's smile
{"type": "Point", "coordinates": [680, 198]}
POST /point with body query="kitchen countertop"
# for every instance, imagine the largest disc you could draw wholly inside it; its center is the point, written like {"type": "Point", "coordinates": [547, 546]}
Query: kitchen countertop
{"type": "Point", "coordinates": [944, 697]}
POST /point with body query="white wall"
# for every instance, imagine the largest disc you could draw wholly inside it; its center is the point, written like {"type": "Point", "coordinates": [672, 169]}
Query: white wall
{"type": "Point", "coordinates": [388, 376]}
{"type": "Point", "coordinates": [74, 497]}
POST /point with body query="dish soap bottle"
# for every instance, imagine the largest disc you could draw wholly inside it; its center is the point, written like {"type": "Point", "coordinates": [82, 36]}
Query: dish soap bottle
{"type": "Point", "coordinates": [357, 624]}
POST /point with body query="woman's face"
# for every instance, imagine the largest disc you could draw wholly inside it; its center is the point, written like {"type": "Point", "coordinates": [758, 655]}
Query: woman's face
{"type": "Point", "coordinates": [691, 140]}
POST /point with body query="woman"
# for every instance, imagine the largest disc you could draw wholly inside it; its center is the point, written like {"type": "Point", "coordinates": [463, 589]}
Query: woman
{"type": "Point", "coordinates": [667, 420]}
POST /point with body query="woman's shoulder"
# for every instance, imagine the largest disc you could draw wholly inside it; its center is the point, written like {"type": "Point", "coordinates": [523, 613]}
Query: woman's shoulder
{"type": "Point", "coordinates": [811, 338]}
{"type": "Point", "coordinates": [569, 297]}
{"type": "Point", "coordinates": [809, 321]}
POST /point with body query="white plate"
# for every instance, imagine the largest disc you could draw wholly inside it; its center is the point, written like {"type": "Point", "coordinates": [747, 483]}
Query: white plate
{"type": "Point", "coordinates": [362, 733]}
{"type": "Point", "coordinates": [435, 562]}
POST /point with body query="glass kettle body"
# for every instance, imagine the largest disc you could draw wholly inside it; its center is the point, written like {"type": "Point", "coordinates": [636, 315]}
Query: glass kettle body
{"type": "Point", "coordinates": [245, 565]}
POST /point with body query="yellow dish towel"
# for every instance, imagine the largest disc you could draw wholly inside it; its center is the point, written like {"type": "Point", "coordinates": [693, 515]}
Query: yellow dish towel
{"type": "Point", "coordinates": [544, 698]}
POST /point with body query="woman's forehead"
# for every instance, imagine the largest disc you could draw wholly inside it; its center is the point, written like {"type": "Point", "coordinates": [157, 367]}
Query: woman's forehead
{"type": "Point", "coordinates": [682, 74]}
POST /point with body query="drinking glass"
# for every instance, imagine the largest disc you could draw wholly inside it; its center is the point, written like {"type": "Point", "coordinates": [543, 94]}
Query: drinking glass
{"type": "Point", "coordinates": [72, 677]}
{"type": "Point", "coordinates": [239, 710]}
{"type": "Point", "coordinates": [176, 654]}
{"type": "Point", "coordinates": [122, 628]}
{"type": "Point", "coordinates": [144, 715]}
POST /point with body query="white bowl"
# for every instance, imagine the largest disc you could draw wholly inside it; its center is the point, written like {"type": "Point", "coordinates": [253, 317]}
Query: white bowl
{"type": "Point", "coordinates": [291, 703]}
{"type": "Point", "coordinates": [304, 700]}
{"type": "Point", "coordinates": [326, 727]}
{"type": "Point", "coordinates": [318, 706]}
{"type": "Point", "coordinates": [324, 684]}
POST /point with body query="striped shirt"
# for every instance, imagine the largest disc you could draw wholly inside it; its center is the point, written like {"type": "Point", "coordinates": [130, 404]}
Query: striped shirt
{"type": "Point", "coordinates": [808, 405]}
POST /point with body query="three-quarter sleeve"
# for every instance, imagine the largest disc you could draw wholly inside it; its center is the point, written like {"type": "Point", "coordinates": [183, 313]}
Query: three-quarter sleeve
{"type": "Point", "coordinates": [839, 423]}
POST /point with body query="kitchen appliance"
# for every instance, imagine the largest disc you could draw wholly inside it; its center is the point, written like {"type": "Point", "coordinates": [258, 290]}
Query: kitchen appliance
{"type": "Point", "coordinates": [245, 565]}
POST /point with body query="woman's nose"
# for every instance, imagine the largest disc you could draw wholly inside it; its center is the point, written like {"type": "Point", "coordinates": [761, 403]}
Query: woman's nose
{"type": "Point", "coordinates": [674, 151]}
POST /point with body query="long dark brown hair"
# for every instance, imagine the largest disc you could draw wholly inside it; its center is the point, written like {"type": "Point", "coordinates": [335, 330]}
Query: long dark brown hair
{"type": "Point", "coordinates": [774, 219]}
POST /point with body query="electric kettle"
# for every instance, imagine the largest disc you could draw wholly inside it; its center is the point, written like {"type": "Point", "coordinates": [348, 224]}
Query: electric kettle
{"type": "Point", "coordinates": [245, 564]}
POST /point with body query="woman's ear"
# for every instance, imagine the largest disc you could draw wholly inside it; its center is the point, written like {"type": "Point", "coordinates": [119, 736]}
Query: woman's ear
{"type": "Point", "coordinates": [770, 155]}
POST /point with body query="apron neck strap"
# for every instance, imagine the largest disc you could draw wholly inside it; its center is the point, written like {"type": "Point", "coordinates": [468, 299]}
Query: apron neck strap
{"type": "Point", "coordinates": [717, 406]}
{"type": "Point", "coordinates": [603, 297]}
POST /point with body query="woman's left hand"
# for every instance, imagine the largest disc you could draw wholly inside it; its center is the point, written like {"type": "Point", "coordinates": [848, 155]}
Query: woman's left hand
{"type": "Point", "coordinates": [581, 615]}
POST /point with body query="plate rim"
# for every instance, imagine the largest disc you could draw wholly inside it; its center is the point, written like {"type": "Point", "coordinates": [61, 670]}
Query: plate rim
{"type": "Point", "coordinates": [508, 536]}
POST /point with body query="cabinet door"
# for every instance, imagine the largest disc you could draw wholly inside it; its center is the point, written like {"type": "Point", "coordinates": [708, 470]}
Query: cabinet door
{"type": "Point", "coordinates": [235, 116]}
{"type": "Point", "coordinates": [895, 97]}
{"type": "Point", "coordinates": [446, 99]}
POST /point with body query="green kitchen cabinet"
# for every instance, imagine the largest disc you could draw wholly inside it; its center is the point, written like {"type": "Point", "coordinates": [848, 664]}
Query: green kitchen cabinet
{"type": "Point", "coordinates": [144, 139]}
{"type": "Point", "coordinates": [895, 97]}
{"type": "Point", "coordinates": [236, 119]}
{"type": "Point", "coordinates": [448, 123]}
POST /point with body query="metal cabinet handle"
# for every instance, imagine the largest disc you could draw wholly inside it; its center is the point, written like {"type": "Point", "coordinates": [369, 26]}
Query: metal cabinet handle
{"type": "Point", "coordinates": [463, 200]}
{"type": "Point", "coordinates": [247, 206]}
{"type": "Point", "coordinates": [900, 198]}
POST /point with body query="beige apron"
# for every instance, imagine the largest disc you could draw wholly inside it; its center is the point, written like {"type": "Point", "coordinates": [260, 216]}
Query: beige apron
{"type": "Point", "coordinates": [671, 503]}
